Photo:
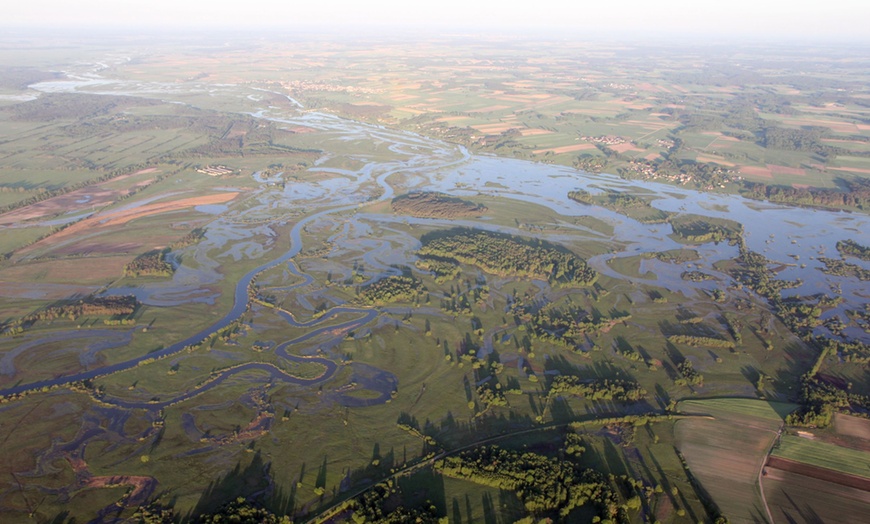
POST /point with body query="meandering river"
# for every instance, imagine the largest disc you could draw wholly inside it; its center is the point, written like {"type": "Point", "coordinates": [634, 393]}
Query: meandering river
{"type": "Point", "coordinates": [784, 234]}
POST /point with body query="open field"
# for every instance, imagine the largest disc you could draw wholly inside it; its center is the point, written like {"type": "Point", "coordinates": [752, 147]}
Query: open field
{"type": "Point", "coordinates": [852, 426]}
{"type": "Point", "coordinates": [729, 451]}
{"type": "Point", "coordinates": [823, 455]}
{"type": "Point", "coordinates": [798, 498]}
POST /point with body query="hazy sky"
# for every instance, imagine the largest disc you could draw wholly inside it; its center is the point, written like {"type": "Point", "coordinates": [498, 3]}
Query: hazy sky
{"type": "Point", "coordinates": [792, 19]}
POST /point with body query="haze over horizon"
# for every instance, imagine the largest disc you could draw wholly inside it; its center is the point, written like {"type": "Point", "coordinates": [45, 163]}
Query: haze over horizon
{"type": "Point", "coordinates": [836, 20]}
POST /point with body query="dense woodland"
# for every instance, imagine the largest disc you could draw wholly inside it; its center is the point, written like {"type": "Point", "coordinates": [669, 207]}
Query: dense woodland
{"type": "Point", "coordinates": [189, 239]}
{"type": "Point", "coordinates": [390, 289]}
{"type": "Point", "coordinates": [621, 390]}
{"type": "Point", "coordinates": [568, 326]}
{"type": "Point", "coordinates": [701, 231]}
{"type": "Point", "coordinates": [443, 269]}
{"type": "Point", "coordinates": [505, 255]}
{"type": "Point", "coordinates": [544, 485]}
{"type": "Point", "coordinates": [856, 194]}
{"type": "Point", "coordinates": [638, 208]}
{"type": "Point", "coordinates": [429, 204]}
{"type": "Point", "coordinates": [110, 305]}
{"type": "Point", "coordinates": [150, 264]}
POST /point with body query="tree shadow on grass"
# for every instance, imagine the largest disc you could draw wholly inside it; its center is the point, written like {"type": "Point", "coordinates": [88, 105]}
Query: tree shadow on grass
{"type": "Point", "coordinates": [239, 482]}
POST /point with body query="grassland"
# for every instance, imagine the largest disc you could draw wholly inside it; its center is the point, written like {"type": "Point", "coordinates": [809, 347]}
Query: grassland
{"type": "Point", "coordinates": [823, 455]}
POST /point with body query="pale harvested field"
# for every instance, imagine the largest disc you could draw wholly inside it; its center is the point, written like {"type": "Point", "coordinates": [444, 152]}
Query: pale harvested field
{"type": "Point", "coordinates": [816, 472]}
{"type": "Point", "coordinates": [622, 148]}
{"type": "Point", "coordinates": [93, 196]}
{"type": "Point", "coordinates": [84, 271]}
{"type": "Point", "coordinates": [494, 128]}
{"type": "Point", "coordinates": [840, 127]}
{"type": "Point", "coordinates": [715, 160]}
{"type": "Point", "coordinates": [587, 111]}
{"type": "Point", "coordinates": [535, 132]}
{"type": "Point", "coordinates": [42, 291]}
{"type": "Point", "coordinates": [852, 169]}
{"type": "Point", "coordinates": [723, 142]}
{"type": "Point", "coordinates": [448, 119]}
{"type": "Point", "coordinates": [852, 426]}
{"type": "Point", "coordinates": [565, 149]}
{"type": "Point", "coordinates": [411, 110]}
{"type": "Point", "coordinates": [652, 88]}
{"type": "Point", "coordinates": [487, 109]}
{"type": "Point", "coordinates": [646, 124]}
{"type": "Point", "coordinates": [785, 170]}
{"type": "Point", "coordinates": [756, 171]}
{"type": "Point", "coordinates": [117, 218]}
{"type": "Point", "coordinates": [838, 141]}
{"type": "Point", "coordinates": [521, 99]}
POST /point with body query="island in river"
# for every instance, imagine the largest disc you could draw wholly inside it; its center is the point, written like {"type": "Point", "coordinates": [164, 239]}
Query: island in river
{"type": "Point", "coordinates": [368, 313]}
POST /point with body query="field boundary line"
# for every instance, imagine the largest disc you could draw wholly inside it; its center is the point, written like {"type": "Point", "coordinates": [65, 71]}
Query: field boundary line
{"type": "Point", "coordinates": [761, 473]}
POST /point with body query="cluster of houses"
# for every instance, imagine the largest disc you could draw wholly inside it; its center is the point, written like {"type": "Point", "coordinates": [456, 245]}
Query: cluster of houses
{"type": "Point", "coordinates": [215, 170]}
{"type": "Point", "coordinates": [304, 85]}
{"type": "Point", "coordinates": [608, 140]}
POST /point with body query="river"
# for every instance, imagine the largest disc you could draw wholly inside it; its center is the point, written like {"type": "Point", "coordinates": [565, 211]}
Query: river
{"type": "Point", "coordinates": [782, 233]}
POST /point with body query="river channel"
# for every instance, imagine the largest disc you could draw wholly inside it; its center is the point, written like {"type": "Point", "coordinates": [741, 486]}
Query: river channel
{"type": "Point", "coordinates": [782, 233]}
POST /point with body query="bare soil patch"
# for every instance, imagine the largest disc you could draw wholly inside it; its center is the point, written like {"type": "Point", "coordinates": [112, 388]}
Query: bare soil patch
{"type": "Point", "coordinates": [93, 196]}
{"type": "Point", "coordinates": [565, 149]}
{"type": "Point", "coordinates": [488, 109]}
{"type": "Point", "coordinates": [85, 198]}
{"type": "Point", "coordinates": [535, 132]}
{"type": "Point", "coordinates": [840, 127]}
{"type": "Point", "coordinates": [95, 271]}
{"type": "Point", "coordinates": [828, 475]}
{"type": "Point", "coordinates": [756, 171]}
{"type": "Point", "coordinates": [785, 170]}
{"type": "Point", "coordinates": [494, 128]}
{"type": "Point", "coordinates": [622, 148]}
{"type": "Point", "coordinates": [852, 426]}
{"type": "Point", "coordinates": [117, 218]}
{"type": "Point", "coordinates": [43, 291]}
{"type": "Point", "coordinates": [793, 497]}
{"type": "Point", "coordinates": [852, 169]}
{"type": "Point", "coordinates": [714, 160]}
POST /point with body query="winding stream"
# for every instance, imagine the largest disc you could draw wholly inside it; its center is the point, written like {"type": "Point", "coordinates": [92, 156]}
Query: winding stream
{"type": "Point", "coordinates": [777, 231]}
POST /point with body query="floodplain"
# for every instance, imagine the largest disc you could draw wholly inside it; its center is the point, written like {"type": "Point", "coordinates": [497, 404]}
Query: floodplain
{"type": "Point", "coordinates": [338, 301]}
